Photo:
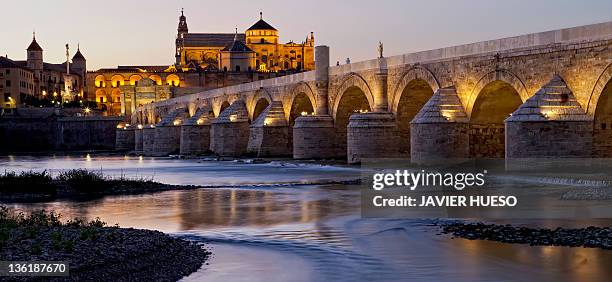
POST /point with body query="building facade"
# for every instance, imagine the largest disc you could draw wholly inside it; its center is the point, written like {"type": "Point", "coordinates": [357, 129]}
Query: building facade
{"type": "Point", "coordinates": [203, 61]}
{"type": "Point", "coordinates": [36, 79]}
{"type": "Point", "coordinates": [206, 49]}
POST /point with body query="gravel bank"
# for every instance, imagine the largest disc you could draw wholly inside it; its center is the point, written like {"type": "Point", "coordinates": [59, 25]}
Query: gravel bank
{"type": "Point", "coordinates": [105, 253]}
{"type": "Point", "coordinates": [589, 237]}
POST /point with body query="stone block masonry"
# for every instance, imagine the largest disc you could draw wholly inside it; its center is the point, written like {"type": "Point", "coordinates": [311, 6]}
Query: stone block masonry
{"type": "Point", "coordinates": [195, 132]}
{"type": "Point", "coordinates": [148, 140]}
{"type": "Point", "coordinates": [230, 131]}
{"type": "Point", "coordinates": [480, 85]}
{"type": "Point", "coordinates": [371, 135]}
{"type": "Point", "coordinates": [36, 130]}
{"type": "Point", "coordinates": [313, 138]}
{"type": "Point", "coordinates": [138, 139]}
{"type": "Point", "coordinates": [125, 139]}
{"type": "Point", "coordinates": [270, 136]}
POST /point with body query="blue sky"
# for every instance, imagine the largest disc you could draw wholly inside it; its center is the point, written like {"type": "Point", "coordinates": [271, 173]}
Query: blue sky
{"type": "Point", "coordinates": [116, 32]}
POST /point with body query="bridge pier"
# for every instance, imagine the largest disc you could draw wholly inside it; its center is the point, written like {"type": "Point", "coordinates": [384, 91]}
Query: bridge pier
{"type": "Point", "coordinates": [313, 137]}
{"type": "Point", "coordinates": [138, 139]}
{"type": "Point", "coordinates": [371, 135]}
{"type": "Point", "coordinates": [168, 133]}
{"type": "Point", "coordinates": [549, 124]}
{"type": "Point", "coordinates": [440, 130]}
{"type": "Point", "coordinates": [167, 140]}
{"type": "Point", "coordinates": [124, 140]}
{"type": "Point", "coordinates": [148, 140]}
{"type": "Point", "coordinates": [230, 131]}
{"type": "Point", "coordinates": [270, 133]}
{"type": "Point", "coordinates": [195, 133]}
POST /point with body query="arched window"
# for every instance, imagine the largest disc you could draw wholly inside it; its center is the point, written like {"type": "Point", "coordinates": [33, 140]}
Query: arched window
{"type": "Point", "coordinates": [263, 40]}
{"type": "Point", "coordinates": [237, 68]}
{"type": "Point", "coordinates": [224, 68]}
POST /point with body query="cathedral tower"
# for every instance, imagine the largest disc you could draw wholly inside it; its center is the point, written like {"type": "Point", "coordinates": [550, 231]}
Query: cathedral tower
{"type": "Point", "coordinates": [181, 31]}
{"type": "Point", "coordinates": [35, 57]}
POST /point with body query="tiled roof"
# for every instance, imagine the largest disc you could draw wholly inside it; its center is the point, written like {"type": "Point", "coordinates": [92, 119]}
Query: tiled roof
{"type": "Point", "coordinates": [34, 46]}
{"type": "Point", "coordinates": [8, 63]}
{"type": "Point", "coordinates": [237, 46]}
{"type": "Point", "coordinates": [210, 39]}
{"type": "Point", "coordinates": [261, 24]}
{"type": "Point", "coordinates": [78, 55]}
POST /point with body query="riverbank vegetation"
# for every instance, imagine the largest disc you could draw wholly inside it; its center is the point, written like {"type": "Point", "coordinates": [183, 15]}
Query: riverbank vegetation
{"type": "Point", "coordinates": [40, 186]}
{"type": "Point", "coordinates": [95, 251]}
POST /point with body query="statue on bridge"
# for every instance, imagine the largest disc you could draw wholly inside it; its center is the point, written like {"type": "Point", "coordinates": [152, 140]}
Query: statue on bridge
{"type": "Point", "coordinates": [380, 49]}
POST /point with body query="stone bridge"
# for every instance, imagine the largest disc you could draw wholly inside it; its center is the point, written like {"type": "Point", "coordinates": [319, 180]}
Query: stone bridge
{"type": "Point", "coordinates": [538, 95]}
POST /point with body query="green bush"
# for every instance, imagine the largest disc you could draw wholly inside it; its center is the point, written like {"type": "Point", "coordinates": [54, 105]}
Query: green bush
{"type": "Point", "coordinates": [83, 180]}
{"type": "Point", "coordinates": [27, 182]}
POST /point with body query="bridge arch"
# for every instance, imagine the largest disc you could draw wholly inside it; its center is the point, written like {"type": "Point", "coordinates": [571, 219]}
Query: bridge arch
{"type": "Point", "coordinates": [354, 96]}
{"type": "Point", "coordinates": [221, 106]}
{"type": "Point", "coordinates": [409, 101]}
{"type": "Point", "coordinates": [415, 73]}
{"type": "Point", "coordinates": [598, 90]}
{"type": "Point", "coordinates": [259, 102]}
{"type": "Point", "coordinates": [301, 100]}
{"type": "Point", "coordinates": [600, 108]}
{"type": "Point", "coordinates": [496, 75]}
{"type": "Point", "coordinates": [494, 102]}
{"type": "Point", "coordinates": [352, 81]}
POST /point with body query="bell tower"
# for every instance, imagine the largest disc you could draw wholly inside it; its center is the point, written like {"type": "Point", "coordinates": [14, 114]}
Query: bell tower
{"type": "Point", "coordinates": [181, 31]}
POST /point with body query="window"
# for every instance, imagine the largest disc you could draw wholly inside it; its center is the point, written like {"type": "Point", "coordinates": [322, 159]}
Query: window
{"type": "Point", "coordinates": [263, 40]}
{"type": "Point", "coordinates": [603, 126]}
{"type": "Point", "coordinates": [237, 68]}
{"type": "Point", "coordinates": [8, 71]}
{"type": "Point", "coordinates": [8, 83]}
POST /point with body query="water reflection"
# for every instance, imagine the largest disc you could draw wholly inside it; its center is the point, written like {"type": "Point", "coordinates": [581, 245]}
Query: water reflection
{"type": "Point", "coordinates": [317, 230]}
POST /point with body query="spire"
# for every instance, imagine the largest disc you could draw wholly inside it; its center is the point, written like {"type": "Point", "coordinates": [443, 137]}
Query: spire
{"type": "Point", "coordinates": [236, 35]}
{"type": "Point", "coordinates": [78, 55]}
{"type": "Point", "coordinates": [182, 26]}
{"type": "Point", "coordinates": [261, 15]}
{"type": "Point", "coordinates": [34, 45]}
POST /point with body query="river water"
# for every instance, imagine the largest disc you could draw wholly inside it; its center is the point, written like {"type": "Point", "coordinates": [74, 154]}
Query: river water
{"type": "Point", "coordinates": [261, 228]}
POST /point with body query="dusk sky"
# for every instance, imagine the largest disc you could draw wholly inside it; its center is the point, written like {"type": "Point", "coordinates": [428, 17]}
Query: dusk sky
{"type": "Point", "coordinates": [115, 33]}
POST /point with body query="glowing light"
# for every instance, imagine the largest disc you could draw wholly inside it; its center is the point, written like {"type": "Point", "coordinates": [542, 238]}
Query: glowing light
{"type": "Point", "coordinates": [87, 110]}
{"type": "Point", "coordinates": [177, 122]}
{"type": "Point", "coordinates": [44, 93]}
{"type": "Point", "coordinates": [152, 126]}
{"type": "Point", "coordinates": [233, 118]}
{"type": "Point", "coordinates": [304, 113]}
{"type": "Point", "coordinates": [200, 121]}
{"type": "Point", "coordinates": [119, 126]}
{"type": "Point", "coordinates": [140, 126]}
{"type": "Point", "coordinates": [54, 94]}
{"type": "Point", "coordinates": [88, 158]}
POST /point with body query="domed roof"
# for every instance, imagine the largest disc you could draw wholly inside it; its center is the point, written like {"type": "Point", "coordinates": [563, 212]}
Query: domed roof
{"type": "Point", "coordinates": [261, 24]}
{"type": "Point", "coordinates": [34, 45]}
